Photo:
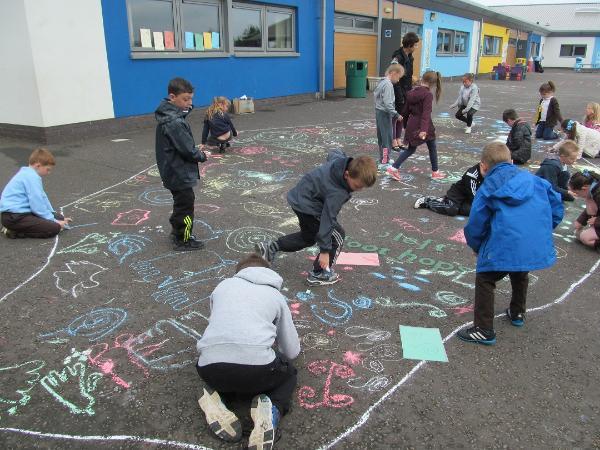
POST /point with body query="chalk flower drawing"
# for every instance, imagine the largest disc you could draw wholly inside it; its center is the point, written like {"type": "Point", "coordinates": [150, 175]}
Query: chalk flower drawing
{"type": "Point", "coordinates": [77, 277]}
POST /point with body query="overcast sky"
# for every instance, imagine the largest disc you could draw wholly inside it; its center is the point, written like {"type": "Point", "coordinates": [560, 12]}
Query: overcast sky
{"type": "Point", "coordinates": [529, 2]}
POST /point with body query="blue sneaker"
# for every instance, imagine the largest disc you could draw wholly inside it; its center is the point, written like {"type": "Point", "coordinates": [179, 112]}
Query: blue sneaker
{"type": "Point", "coordinates": [477, 335]}
{"type": "Point", "coordinates": [266, 418]}
{"type": "Point", "coordinates": [518, 320]}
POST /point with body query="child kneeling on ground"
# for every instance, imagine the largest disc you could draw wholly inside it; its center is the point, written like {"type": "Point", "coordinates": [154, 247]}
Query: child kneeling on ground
{"type": "Point", "coordinates": [248, 314]}
{"type": "Point", "coordinates": [519, 138]}
{"type": "Point", "coordinates": [555, 168]}
{"type": "Point", "coordinates": [459, 197]}
{"type": "Point", "coordinates": [586, 185]}
{"type": "Point", "coordinates": [26, 210]}
{"type": "Point", "coordinates": [510, 230]}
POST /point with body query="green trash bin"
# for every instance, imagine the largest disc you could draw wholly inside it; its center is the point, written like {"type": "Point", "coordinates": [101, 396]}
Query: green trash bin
{"type": "Point", "coordinates": [356, 79]}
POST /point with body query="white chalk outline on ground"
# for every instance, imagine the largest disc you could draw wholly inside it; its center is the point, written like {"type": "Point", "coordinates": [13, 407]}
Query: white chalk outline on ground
{"type": "Point", "coordinates": [361, 421]}
{"type": "Point", "coordinates": [363, 418]}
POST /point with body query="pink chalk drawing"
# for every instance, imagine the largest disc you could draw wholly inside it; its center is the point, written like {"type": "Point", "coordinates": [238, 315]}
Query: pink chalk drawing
{"type": "Point", "coordinates": [408, 226]}
{"type": "Point", "coordinates": [99, 357]}
{"type": "Point", "coordinates": [459, 310]}
{"type": "Point", "coordinates": [251, 150]}
{"type": "Point", "coordinates": [295, 309]}
{"type": "Point", "coordinates": [347, 268]}
{"type": "Point", "coordinates": [459, 236]}
{"type": "Point", "coordinates": [138, 180]}
{"type": "Point", "coordinates": [332, 369]}
{"type": "Point", "coordinates": [353, 358]}
{"type": "Point", "coordinates": [132, 217]}
{"type": "Point", "coordinates": [331, 333]}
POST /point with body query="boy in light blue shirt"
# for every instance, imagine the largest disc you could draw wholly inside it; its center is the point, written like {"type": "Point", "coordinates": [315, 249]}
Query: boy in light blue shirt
{"type": "Point", "coordinates": [24, 206]}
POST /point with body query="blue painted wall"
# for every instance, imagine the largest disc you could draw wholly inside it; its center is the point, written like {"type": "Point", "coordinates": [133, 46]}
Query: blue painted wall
{"type": "Point", "coordinates": [447, 65]}
{"type": "Point", "coordinates": [138, 85]}
{"type": "Point", "coordinates": [596, 57]}
{"type": "Point", "coordinates": [533, 38]}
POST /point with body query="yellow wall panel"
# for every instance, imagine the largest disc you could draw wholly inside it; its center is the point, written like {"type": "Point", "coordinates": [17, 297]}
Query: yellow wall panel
{"type": "Point", "coordinates": [487, 63]}
{"type": "Point", "coordinates": [353, 46]}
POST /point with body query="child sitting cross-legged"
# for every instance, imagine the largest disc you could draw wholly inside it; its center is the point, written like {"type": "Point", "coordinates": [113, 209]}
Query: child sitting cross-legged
{"type": "Point", "coordinates": [248, 314]}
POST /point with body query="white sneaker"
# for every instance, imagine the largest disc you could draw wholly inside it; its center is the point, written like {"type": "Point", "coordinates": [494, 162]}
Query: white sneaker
{"type": "Point", "coordinates": [468, 130]}
{"type": "Point", "coordinates": [220, 420]}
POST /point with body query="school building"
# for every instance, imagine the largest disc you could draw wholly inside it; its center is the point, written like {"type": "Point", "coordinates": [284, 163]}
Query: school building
{"type": "Point", "coordinates": [573, 32]}
{"type": "Point", "coordinates": [82, 68]}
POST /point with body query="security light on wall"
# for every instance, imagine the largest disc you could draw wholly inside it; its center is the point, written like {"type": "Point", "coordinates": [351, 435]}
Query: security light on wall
{"type": "Point", "coordinates": [432, 16]}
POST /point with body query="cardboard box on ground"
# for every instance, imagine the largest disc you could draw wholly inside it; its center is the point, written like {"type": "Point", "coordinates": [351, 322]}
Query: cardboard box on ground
{"type": "Point", "coordinates": [243, 106]}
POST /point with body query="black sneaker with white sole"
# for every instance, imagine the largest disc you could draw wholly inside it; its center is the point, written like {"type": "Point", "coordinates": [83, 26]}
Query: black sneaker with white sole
{"type": "Point", "coordinates": [420, 203]}
{"type": "Point", "coordinates": [477, 335]}
{"type": "Point", "coordinates": [518, 320]}
{"type": "Point", "coordinates": [187, 246]}
{"type": "Point", "coordinates": [322, 278]}
{"type": "Point", "coordinates": [10, 234]}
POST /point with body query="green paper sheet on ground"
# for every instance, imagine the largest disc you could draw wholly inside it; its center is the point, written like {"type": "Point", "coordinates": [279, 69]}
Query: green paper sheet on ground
{"type": "Point", "coordinates": [424, 344]}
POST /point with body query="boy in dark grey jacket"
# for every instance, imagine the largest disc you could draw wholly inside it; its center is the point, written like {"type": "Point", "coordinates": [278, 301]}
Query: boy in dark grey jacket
{"type": "Point", "coordinates": [248, 315]}
{"type": "Point", "coordinates": [519, 138]}
{"type": "Point", "coordinates": [317, 200]}
{"type": "Point", "coordinates": [177, 159]}
{"type": "Point", "coordinates": [555, 168]}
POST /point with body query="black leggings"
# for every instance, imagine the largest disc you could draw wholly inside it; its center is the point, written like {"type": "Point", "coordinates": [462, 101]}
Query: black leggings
{"type": "Point", "coordinates": [469, 115]}
{"type": "Point", "coordinates": [404, 154]}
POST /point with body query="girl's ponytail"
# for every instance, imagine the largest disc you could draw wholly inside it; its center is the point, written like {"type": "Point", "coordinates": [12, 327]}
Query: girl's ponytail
{"type": "Point", "coordinates": [438, 86]}
{"type": "Point", "coordinates": [552, 86]}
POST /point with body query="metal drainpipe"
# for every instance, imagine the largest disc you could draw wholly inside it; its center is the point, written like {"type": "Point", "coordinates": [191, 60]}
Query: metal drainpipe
{"type": "Point", "coordinates": [323, 48]}
{"type": "Point", "coordinates": [378, 59]}
{"type": "Point", "coordinates": [479, 46]}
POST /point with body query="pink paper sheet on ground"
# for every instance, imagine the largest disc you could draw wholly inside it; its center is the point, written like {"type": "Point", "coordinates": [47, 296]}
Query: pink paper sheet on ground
{"type": "Point", "coordinates": [358, 259]}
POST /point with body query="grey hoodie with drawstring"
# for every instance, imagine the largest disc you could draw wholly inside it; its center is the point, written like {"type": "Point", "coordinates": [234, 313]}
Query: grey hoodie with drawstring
{"type": "Point", "coordinates": [248, 315]}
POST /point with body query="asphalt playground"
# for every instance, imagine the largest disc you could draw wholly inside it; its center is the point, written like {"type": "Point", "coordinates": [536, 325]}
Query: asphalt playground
{"type": "Point", "coordinates": [99, 326]}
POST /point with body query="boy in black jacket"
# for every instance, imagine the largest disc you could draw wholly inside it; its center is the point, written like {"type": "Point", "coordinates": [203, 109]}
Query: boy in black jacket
{"type": "Point", "coordinates": [555, 169]}
{"type": "Point", "coordinates": [317, 200]}
{"type": "Point", "coordinates": [459, 197]}
{"type": "Point", "coordinates": [177, 159]}
{"type": "Point", "coordinates": [519, 139]}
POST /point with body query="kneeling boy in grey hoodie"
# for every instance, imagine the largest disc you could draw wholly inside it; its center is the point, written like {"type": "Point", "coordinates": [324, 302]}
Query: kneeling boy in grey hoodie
{"type": "Point", "coordinates": [248, 315]}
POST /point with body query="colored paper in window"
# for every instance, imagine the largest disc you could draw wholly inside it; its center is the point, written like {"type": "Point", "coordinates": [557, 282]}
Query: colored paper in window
{"type": "Point", "coordinates": [189, 39]}
{"type": "Point", "coordinates": [199, 41]}
{"type": "Point", "coordinates": [146, 37]}
{"type": "Point", "coordinates": [215, 40]}
{"type": "Point", "coordinates": [207, 41]}
{"type": "Point", "coordinates": [169, 40]}
{"type": "Point", "coordinates": [158, 40]}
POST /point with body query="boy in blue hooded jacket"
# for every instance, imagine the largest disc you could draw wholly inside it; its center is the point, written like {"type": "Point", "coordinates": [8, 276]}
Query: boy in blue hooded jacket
{"type": "Point", "coordinates": [510, 230]}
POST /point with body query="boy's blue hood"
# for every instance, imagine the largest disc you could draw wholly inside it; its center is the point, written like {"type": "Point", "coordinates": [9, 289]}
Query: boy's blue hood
{"type": "Point", "coordinates": [509, 184]}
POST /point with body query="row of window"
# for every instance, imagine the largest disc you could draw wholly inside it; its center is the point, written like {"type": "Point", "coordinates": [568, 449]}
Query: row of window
{"type": "Point", "coordinates": [203, 26]}
{"type": "Point", "coordinates": [571, 50]}
{"type": "Point", "coordinates": [451, 42]}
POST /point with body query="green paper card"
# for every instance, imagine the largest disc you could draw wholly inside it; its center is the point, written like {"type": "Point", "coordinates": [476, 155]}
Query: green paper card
{"type": "Point", "coordinates": [424, 344]}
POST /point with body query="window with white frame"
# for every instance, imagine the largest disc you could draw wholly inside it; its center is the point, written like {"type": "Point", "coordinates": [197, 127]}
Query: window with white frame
{"type": "Point", "coordinates": [572, 50]}
{"type": "Point", "coordinates": [356, 24]}
{"type": "Point", "coordinates": [262, 28]}
{"type": "Point", "coordinates": [450, 42]}
{"type": "Point", "coordinates": [492, 46]}
{"type": "Point", "coordinates": [180, 27]}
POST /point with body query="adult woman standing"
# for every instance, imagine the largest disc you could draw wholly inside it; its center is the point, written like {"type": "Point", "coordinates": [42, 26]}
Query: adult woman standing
{"type": "Point", "coordinates": [404, 57]}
